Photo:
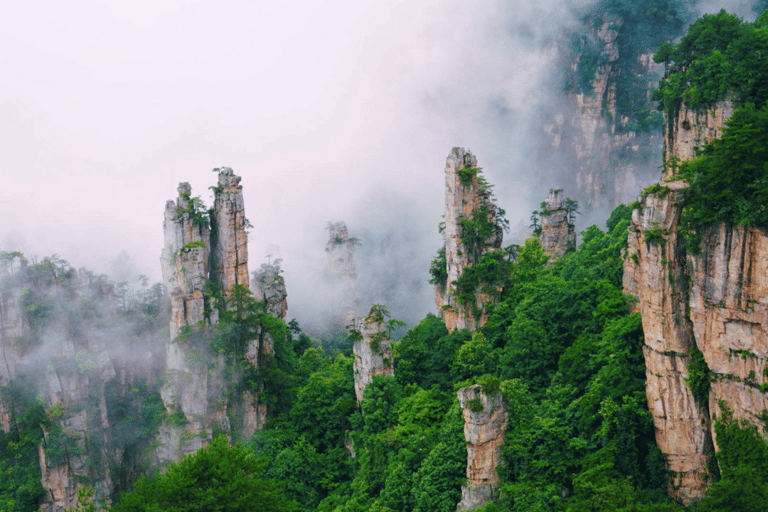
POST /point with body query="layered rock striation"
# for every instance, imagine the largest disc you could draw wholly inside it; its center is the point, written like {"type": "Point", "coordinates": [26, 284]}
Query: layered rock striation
{"type": "Point", "coordinates": [714, 301]}
{"type": "Point", "coordinates": [372, 351]}
{"type": "Point", "coordinates": [485, 420]}
{"type": "Point", "coordinates": [558, 234]}
{"type": "Point", "coordinates": [473, 227]}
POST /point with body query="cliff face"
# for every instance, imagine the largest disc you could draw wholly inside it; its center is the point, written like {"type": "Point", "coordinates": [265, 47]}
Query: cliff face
{"type": "Point", "coordinates": [344, 295]}
{"type": "Point", "coordinates": [466, 199]}
{"type": "Point", "coordinates": [89, 378]}
{"type": "Point", "coordinates": [611, 154]}
{"type": "Point", "coordinates": [558, 235]}
{"type": "Point", "coordinates": [372, 352]}
{"type": "Point", "coordinates": [714, 301]}
{"type": "Point", "coordinates": [485, 419]}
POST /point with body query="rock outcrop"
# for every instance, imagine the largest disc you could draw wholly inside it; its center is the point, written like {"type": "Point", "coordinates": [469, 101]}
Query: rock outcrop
{"type": "Point", "coordinates": [468, 202]}
{"type": "Point", "coordinates": [344, 295]}
{"type": "Point", "coordinates": [485, 420]}
{"type": "Point", "coordinates": [558, 235]}
{"type": "Point", "coordinates": [372, 351]}
{"type": "Point", "coordinates": [715, 301]}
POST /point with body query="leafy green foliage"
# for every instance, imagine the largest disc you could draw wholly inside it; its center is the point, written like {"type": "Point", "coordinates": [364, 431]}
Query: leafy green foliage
{"type": "Point", "coordinates": [438, 269]}
{"type": "Point", "coordinates": [642, 24]}
{"type": "Point", "coordinates": [729, 180]}
{"type": "Point", "coordinates": [218, 477]}
{"type": "Point", "coordinates": [425, 354]}
{"type": "Point", "coordinates": [720, 55]}
{"type": "Point", "coordinates": [743, 459]}
{"type": "Point", "coordinates": [699, 375]}
{"type": "Point", "coordinates": [195, 209]}
{"type": "Point", "coordinates": [20, 487]}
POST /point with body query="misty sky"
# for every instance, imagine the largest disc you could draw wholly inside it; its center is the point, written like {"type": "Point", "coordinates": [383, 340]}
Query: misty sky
{"type": "Point", "coordinates": [329, 110]}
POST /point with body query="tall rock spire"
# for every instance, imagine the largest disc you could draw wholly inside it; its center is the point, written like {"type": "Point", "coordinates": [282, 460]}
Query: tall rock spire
{"type": "Point", "coordinates": [344, 299]}
{"type": "Point", "coordinates": [372, 350]}
{"type": "Point", "coordinates": [558, 234]}
{"type": "Point", "coordinates": [203, 248]}
{"type": "Point", "coordinates": [706, 309]}
{"type": "Point", "coordinates": [229, 240]}
{"type": "Point", "coordinates": [473, 227]}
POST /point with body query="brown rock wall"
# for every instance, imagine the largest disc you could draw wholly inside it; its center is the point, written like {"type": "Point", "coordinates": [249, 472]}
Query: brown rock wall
{"type": "Point", "coordinates": [715, 300]}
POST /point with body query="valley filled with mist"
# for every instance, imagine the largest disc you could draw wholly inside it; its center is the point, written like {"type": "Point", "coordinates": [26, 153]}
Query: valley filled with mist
{"type": "Point", "coordinates": [496, 256]}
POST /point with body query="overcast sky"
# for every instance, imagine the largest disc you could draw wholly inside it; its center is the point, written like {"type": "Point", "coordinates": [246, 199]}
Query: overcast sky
{"type": "Point", "coordinates": [329, 110]}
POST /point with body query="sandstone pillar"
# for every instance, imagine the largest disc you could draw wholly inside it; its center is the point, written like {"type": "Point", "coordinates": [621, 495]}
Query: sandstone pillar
{"type": "Point", "coordinates": [372, 351]}
{"type": "Point", "coordinates": [485, 420]}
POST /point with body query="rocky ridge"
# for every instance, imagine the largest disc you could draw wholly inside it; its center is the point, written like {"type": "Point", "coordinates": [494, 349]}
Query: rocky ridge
{"type": "Point", "coordinates": [611, 156]}
{"type": "Point", "coordinates": [54, 344]}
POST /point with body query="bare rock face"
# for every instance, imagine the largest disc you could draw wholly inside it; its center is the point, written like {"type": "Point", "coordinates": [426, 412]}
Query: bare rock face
{"type": "Point", "coordinates": [229, 240]}
{"type": "Point", "coordinates": [372, 352]}
{"type": "Point", "coordinates": [655, 273]}
{"type": "Point", "coordinates": [690, 130]}
{"type": "Point", "coordinates": [485, 420]}
{"type": "Point", "coordinates": [558, 235]}
{"type": "Point", "coordinates": [466, 197]}
{"type": "Point", "coordinates": [185, 259]}
{"type": "Point", "coordinates": [715, 301]}
{"type": "Point", "coordinates": [344, 299]}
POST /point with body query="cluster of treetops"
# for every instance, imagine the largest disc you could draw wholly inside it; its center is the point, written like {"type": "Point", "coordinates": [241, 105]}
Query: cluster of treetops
{"type": "Point", "coordinates": [560, 345]}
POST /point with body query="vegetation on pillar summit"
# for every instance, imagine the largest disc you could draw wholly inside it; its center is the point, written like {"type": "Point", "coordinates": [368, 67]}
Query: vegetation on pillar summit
{"type": "Point", "coordinates": [722, 57]}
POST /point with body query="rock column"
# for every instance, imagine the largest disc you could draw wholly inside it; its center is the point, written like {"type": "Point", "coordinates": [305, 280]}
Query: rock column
{"type": "Point", "coordinates": [558, 235]}
{"type": "Point", "coordinates": [372, 352]}
{"type": "Point", "coordinates": [195, 253]}
{"type": "Point", "coordinates": [344, 299]}
{"type": "Point", "coordinates": [485, 420]}
{"type": "Point", "coordinates": [465, 197]}
{"type": "Point", "coordinates": [229, 255]}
